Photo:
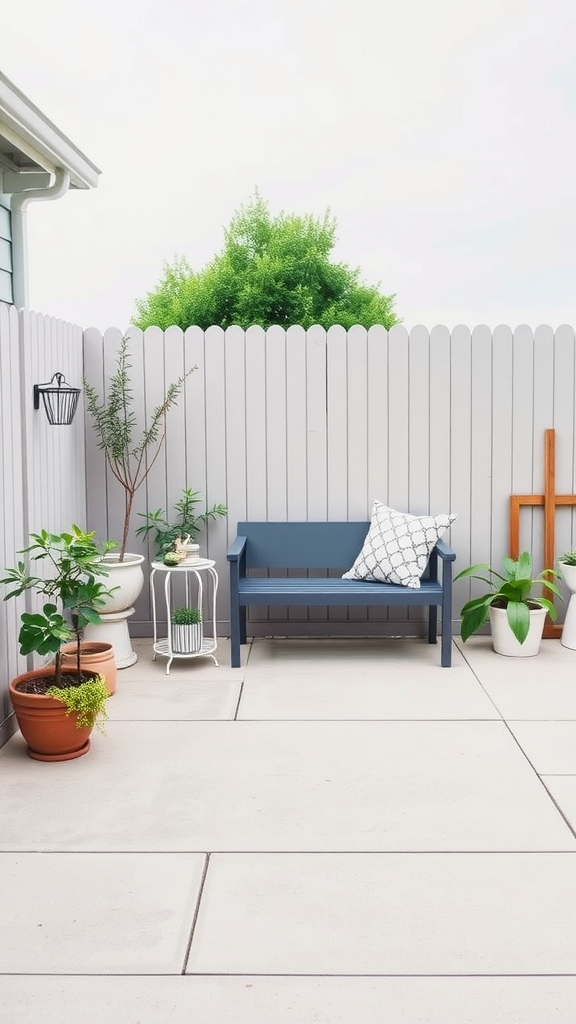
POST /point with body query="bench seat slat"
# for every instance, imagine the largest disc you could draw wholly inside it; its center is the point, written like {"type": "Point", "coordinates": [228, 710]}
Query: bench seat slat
{"type": "Point", "coordinates": [334, 591]}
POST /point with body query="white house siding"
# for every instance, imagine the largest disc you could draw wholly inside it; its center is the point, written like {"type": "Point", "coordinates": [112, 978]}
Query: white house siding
{"type": "Point", "coordinates": [315, 425]}
{"type": "Point", "coordinates": [6, 288]}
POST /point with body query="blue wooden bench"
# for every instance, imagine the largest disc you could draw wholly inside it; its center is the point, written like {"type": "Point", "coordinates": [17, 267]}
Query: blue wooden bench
{"type": "Point", "coordinates": [305, 546]}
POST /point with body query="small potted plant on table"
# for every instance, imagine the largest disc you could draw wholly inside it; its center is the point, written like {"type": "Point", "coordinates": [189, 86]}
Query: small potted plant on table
{"type": "Point", "coordinates": [186, 630]}
{"type": "Point", "coordinates": [516, 614]}
{"type": "Point", "coordinates": [57, 707]}
{"type": "Point", "coordinates": [182, 528]}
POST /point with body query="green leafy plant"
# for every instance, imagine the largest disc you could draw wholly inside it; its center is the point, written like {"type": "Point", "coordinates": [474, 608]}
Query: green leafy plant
{"type": "Point", "coordinates": [186, 522]}
{"type": "Point", "coordinates": [186, 616]}
{"type": "Point", "coordinates": [129, 456]}
{"type": "Point", "coordinates": [271, 270]}
{"type": "Point", "coordinates": [511, 590]}
{"type": "Point", "coordinates": [73, 563]}
{"type": "Point", "coordinates": [568, 558]}
{"type": "Point", "coordinates": [88, 700]}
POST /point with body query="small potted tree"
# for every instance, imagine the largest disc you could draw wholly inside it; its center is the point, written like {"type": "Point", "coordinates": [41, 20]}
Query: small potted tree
{"type": "Point", "coordinates": [130, 455]}
{"type": "Point", "coordinates": [184, 526]}
{"type": "Point", "coordinates": [56, 706]}
{"type": "Point", "coordinates": [516, 614]}
{"type": "Point", "coordinates": [186, 626]}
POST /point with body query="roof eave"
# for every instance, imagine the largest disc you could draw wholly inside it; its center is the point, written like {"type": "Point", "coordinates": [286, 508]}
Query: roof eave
{"type": "Point", "coordinates": [41, 139]}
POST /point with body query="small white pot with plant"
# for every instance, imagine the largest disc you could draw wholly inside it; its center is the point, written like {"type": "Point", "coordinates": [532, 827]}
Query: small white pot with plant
{"type": "Point", "coordinates": [567, 563]}
{"type": "Point", "coordinates": [516, 614]}
{"type": "Point", "coordinates": [186, 630]}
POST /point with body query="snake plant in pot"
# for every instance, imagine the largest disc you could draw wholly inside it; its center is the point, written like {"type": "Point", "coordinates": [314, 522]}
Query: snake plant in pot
{"type": "Point", "coordinates": [57, 706]}
{"type": "Point", "coordinates": [516, 613]}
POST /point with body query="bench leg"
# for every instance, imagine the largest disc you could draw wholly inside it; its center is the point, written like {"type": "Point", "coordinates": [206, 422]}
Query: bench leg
{"type": "Point", "coordinates": [235, 627]}
{"type": "Point", "coordinates": [243, 624]}
{"type": "Point", "coordinates": [446, 652]}
{"type": "Point", "coordinates": [433, 624]}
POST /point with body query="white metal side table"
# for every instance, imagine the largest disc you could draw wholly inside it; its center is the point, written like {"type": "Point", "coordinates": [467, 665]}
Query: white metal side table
{"type": "Point", "coordinates": [194, 597]}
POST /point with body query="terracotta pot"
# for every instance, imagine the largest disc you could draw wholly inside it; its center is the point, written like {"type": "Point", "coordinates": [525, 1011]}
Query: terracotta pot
{"type": "Point", "coordinates": [50, 733]}
{"type": "Point", "coordinates": [94, 657]}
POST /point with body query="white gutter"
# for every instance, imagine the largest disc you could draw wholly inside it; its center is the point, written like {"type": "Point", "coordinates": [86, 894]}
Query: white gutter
{"type": "Point", "coordinates": [24, 121]}
{"type": "Point", "coordinates": [19, 203]}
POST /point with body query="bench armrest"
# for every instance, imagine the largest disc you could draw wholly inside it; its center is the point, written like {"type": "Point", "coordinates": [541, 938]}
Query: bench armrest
{"type": "Point", "coordinates": [236, 549]}
{"type": "Point", "coordinates": [445, 552]}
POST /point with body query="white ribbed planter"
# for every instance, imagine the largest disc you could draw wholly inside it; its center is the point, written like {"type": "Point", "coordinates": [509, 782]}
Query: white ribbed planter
{"type": "Point", "coordinates": [187, 639]}
{"type": "Point", "coordinates": [503, 639]}
{"type": "Point", "coordinates": [568, 638]}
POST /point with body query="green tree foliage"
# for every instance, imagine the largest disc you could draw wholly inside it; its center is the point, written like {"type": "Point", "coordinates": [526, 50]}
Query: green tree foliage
{"type": "Point", "coordinates": [272, 270]}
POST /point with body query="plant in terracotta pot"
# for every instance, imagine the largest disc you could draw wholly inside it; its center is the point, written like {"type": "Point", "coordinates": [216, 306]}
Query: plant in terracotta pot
{"type": "Point", "coordinates": [184, 526]}
{"type": "Point", "coordinates": [516, 614]}
{"type": "Point", "coordinates": [57, 706]}
{"type": "Point", "coordinates": [129, 452]}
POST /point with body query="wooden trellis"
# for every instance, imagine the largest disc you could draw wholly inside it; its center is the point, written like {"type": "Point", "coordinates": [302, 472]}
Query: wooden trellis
{"type": "Point", "coordinates": [549, 500]}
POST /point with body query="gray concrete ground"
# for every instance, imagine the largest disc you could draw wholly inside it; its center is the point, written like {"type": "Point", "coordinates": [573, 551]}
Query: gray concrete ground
{"type": "Point", "coordinates": [339, 832]}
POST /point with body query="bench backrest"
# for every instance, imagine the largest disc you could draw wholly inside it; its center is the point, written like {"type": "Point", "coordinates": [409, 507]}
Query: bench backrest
{"type": "Point", "coordinates": [302, 545]}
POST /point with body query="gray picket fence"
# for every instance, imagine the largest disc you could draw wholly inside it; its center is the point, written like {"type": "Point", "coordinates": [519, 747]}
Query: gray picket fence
{"type": "Point", "coordinates": [295, 424]}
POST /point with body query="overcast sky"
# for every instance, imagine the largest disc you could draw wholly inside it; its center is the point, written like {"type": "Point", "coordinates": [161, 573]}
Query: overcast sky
{"type": "Point", "coordinates": [441, 134]}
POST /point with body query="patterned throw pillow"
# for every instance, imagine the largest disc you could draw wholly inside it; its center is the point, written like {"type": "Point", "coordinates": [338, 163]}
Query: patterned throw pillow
{"type": "Point", "coordinates": [397, 546]}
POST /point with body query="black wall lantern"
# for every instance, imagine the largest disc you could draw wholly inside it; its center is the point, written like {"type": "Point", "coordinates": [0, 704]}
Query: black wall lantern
{"type": "Point", "coordinates": [60, 400]}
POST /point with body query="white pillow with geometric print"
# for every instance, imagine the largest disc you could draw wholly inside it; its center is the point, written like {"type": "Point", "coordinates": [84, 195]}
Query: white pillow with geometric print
{"type": "Point", "coordinates": [397, 546]}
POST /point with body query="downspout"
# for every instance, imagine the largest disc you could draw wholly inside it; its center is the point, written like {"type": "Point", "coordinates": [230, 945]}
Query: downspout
{"type": "Point", "coordinates": [18, 205]}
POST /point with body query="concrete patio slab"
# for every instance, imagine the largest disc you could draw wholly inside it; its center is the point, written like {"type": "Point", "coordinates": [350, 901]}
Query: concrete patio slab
{"type": "Point", "coordinates": [97, 914]}
{"type": "Point", "coordinates": [284, 786]}
{"type": "Point", "coordinates": [174, 698]}
{"type": "Point", "coordinates": [526, 688]}
{"type": "Point", "coordinates": [176, 784]}
{"type": "Point", "coordinates": [563, 790]}
{"type": "Point", "coordinates": [550, 746]}
{"type": "Point", "coordinates": [250, 999]}
{"type": "Point", "coordinates": [387, 914]}
{"type": "Point", "coordinates": [356, 693]}
{"type": "Point", "coordinates": [183, 668]}
{"type": "Point", "coordinates": [342, 654]}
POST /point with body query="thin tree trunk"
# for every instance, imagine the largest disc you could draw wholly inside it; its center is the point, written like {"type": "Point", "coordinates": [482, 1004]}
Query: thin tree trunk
{"type": "Point", "coordinates": [129, 500]}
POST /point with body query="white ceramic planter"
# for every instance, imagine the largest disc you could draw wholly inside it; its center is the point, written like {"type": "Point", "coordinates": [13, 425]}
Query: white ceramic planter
{"type": "Point", "coordinates": [128, 577]}
{"type": "Point", "coordinates": [568, 638]}
{"type": "Point", "coordinates": [192, 554]}
{"type": "Point", "coordinates": [503, 639]}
